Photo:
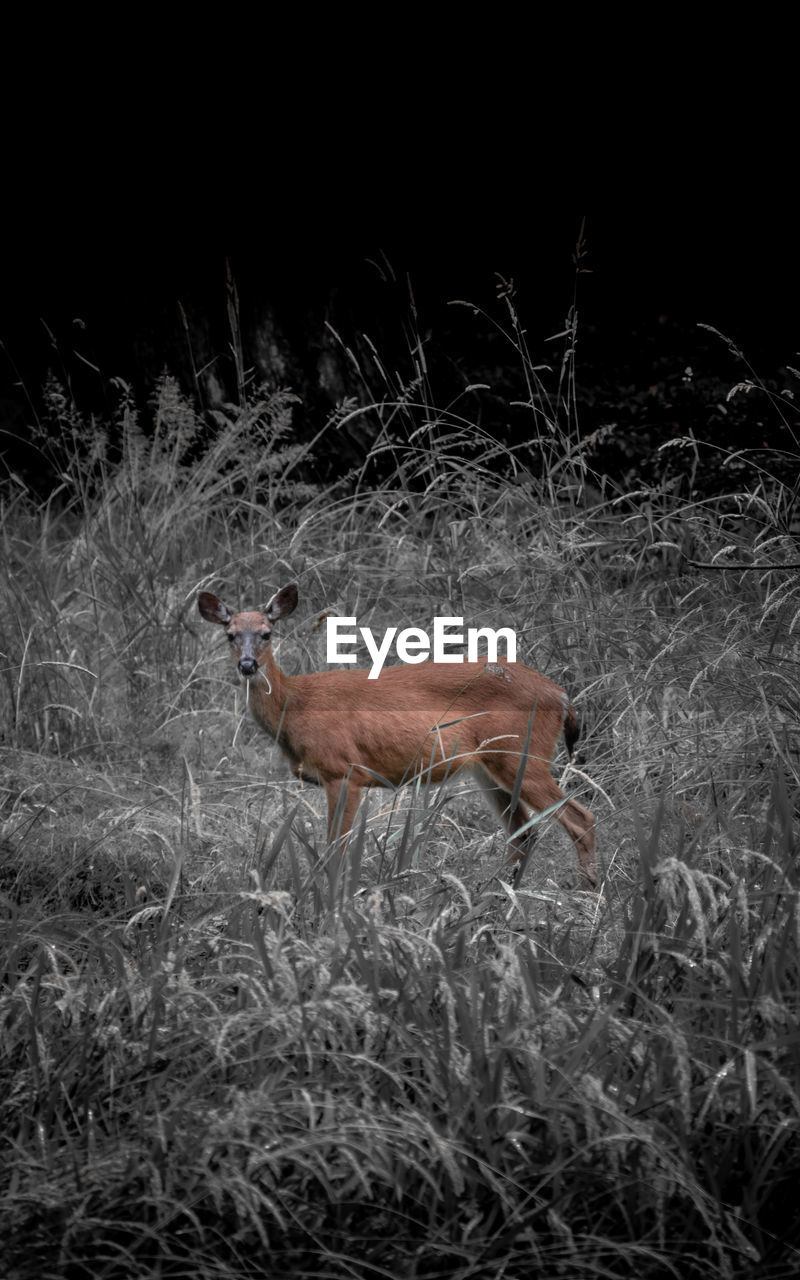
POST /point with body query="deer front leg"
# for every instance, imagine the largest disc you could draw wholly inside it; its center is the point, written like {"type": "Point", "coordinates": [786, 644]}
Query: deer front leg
{"type": "Point", "coordinates": [343, 797]}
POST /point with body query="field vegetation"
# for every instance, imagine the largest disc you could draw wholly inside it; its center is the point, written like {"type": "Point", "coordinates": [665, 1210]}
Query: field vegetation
{"type": "Point", "coordinates": [227, 1052]}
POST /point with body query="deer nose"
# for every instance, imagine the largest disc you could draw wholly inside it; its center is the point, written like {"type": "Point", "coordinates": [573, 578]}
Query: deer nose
{"type": "Point", "coordinates": [248, 666]}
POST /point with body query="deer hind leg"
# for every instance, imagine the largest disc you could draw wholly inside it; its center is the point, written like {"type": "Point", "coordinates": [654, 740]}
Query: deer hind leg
{"type": "Point", "coordinates": [579, 824]}
{"type": "Point", "coordinates": [540, 791]}
{"type": "Point", "coordinates": [500, 800]}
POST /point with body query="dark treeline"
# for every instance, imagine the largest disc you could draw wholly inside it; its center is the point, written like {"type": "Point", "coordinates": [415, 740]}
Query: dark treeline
{"type": "Point", "coordinates": [303, 312]}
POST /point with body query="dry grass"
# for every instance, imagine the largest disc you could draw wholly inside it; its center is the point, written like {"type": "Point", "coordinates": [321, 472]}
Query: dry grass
{"type": "Point", "coordinates": [224, 1049]}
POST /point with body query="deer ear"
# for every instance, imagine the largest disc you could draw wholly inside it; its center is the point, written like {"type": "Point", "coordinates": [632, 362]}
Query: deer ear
{"type": "Point", "coordinates": [282, 603]}
{"type": "Point", "coordinates": [212, 609]}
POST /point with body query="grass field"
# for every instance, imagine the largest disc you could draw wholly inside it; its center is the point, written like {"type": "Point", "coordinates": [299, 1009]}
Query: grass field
{"type": "Point", "coordinates": [226, 1052]}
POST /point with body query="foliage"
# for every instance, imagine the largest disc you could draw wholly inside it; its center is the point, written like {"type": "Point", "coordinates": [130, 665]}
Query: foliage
{"type": "Point", "coordinates": [223, 1048]}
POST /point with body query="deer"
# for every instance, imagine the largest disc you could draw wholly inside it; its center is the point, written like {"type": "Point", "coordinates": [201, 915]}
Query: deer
{"type": "Point", "coordinates": [427, 721]}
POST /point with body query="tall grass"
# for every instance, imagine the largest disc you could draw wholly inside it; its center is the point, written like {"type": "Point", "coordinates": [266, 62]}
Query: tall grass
{"type": "Point", "coordinates": [225, 1051]}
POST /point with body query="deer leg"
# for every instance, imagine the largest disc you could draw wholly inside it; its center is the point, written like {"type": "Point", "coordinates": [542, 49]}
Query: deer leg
{"type": "Point", "coordinates": [343, 798]}
{"type": "Point", "coordinates": [500, 800]}
{"type": "Point", "coordinates": [540, 791]}
{"type": "Point", "coordinates": [579, 824]}
{"type": "Point", "coordinates": [543, 793]}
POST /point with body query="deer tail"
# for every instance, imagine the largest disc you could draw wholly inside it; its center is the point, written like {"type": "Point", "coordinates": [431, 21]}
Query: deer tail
{"type": "Point", "coordinates": [572, 728]}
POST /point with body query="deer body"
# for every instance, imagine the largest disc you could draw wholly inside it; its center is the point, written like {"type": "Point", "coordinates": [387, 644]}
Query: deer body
{"type": "Point", "coordinates": [347, 732]}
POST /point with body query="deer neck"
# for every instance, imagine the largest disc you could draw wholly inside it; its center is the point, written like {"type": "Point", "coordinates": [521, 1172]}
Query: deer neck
{"type": "Point", "coordinates": [267, 696]}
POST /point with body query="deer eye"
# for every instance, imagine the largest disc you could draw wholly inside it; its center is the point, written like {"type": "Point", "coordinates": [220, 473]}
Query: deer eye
{"type": "Point", "coordinates": [231, 636]}
{"type": "Point", "coordinates": [265, 635]}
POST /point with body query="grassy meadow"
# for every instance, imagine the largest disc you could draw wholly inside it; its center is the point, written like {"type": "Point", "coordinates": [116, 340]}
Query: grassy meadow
{"type": "Point", "coordinates": [227, 1052]}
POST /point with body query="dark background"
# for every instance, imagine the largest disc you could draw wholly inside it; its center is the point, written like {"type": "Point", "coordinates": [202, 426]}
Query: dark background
{"type": "Point", "coordinates": [125, 281]}
{"type": "Point", "coordinates": [99, 297]}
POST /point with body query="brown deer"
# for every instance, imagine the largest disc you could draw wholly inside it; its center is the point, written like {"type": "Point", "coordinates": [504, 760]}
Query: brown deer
{"type": "Point", "coordinates": [430, 720]}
